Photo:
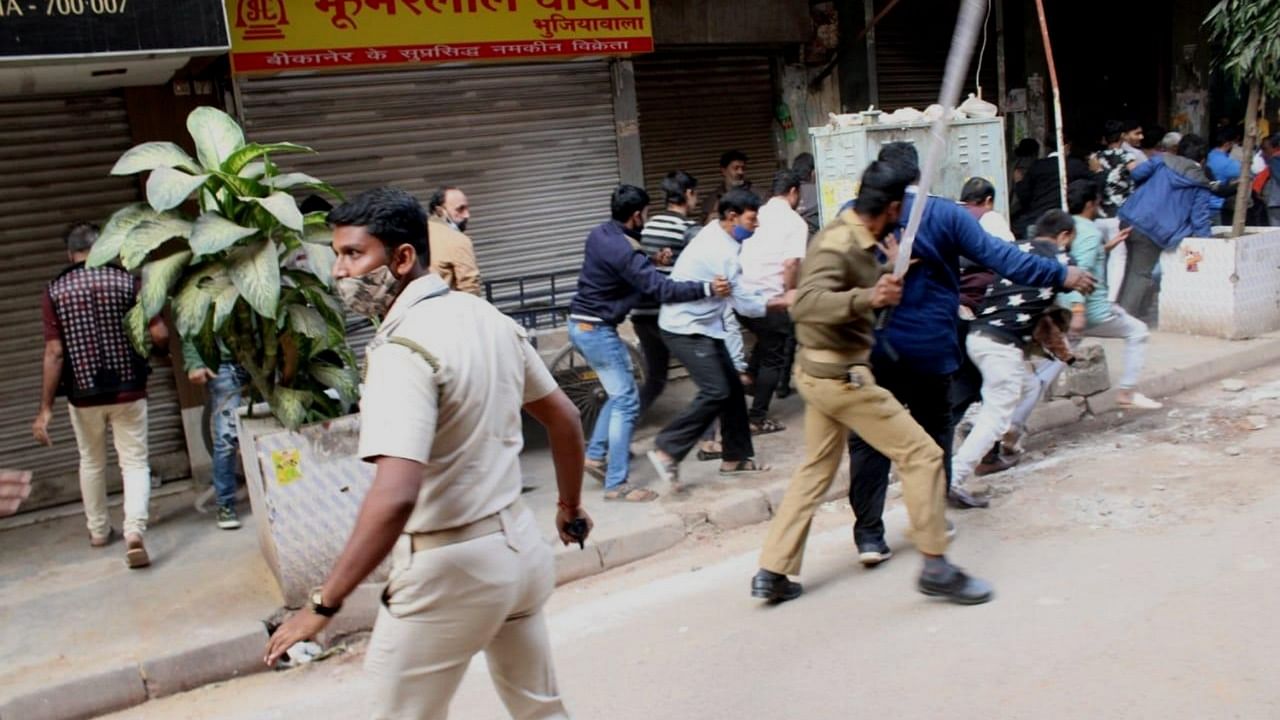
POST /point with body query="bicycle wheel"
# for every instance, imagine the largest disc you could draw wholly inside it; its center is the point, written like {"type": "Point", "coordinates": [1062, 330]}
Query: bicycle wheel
{"type": "Point", "coordinates": [582, 384]}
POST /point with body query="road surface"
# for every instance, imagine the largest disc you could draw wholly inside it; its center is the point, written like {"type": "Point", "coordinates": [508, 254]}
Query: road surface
{"type": "Point", "coordinates": [1135, 562]}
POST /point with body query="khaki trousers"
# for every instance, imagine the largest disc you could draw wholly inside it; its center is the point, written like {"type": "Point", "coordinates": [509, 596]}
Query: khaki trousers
{"type": "Point", "coordinates": [442, 606]}
{"type": "Point", "coordinates": [128, 423]}
{"type": "Point", "coordinates": [832, 409]}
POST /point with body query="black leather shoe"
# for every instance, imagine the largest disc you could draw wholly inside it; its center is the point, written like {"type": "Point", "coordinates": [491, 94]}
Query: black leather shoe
{"type": "Point", "coordinates": [961, 500]}
{"type": "Point", "coordinates": [774, 587]}
{"type": "Point", "coordinates": [871, 554]}
{"type": "Point", "coordinates": [954, 585]}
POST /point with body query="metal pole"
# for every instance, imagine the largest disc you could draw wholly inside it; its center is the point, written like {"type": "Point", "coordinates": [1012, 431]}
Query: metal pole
{"type": "Point", "coordinates": [962, 44]}
{"type": "Point", "coordinates": [1057, 104]}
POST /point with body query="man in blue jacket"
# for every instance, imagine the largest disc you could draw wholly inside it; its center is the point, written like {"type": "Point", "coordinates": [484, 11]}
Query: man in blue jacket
{"type": "Point", "coordinates": [616, 274]}
{"type": "Point", "coordinates": [919, 350]}
{"type": "Point", "coordinates": [1173, 201]}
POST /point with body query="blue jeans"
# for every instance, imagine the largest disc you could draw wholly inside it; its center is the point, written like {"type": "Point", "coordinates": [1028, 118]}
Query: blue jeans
{"type": "Point", "coordinates": [607, 355]}
{"type": "Point", "coordinates": [225, 393]}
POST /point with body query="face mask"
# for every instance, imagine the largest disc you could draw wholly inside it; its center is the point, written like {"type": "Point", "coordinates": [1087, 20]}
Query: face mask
{"type": "Point", "coordinates": [369, 295]}
{"type": "Point", "coordinates": [740, 233]}
{"type": "Point", "coordinates": [459, 226]}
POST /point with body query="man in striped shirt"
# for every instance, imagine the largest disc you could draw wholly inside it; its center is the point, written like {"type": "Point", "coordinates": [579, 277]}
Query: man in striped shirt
{"type": "Point", "coordinates": [664, 236]}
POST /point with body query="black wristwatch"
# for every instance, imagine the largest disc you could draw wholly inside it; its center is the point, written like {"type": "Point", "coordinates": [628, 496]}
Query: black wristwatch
{"type": "Point", "coordinates": [318, 607]}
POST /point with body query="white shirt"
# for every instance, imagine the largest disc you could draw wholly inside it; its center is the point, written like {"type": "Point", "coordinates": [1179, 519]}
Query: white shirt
{"type": "Point", "coordinates": [459, 415]}
{"type": "Point", "coordinates": [712, 252]}
{"type": "Point", "coordinates": [995, 224]}
{"type": "Point", "coordinates": [783, 235]}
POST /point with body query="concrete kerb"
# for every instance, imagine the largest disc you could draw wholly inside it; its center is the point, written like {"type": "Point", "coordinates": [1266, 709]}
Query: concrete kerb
{"type": "Point", "coordinates": [134, 684]}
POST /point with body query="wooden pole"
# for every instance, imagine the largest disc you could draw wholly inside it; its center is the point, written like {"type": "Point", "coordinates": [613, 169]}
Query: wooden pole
{"type": "Point", "coordinates": [1057, 104]}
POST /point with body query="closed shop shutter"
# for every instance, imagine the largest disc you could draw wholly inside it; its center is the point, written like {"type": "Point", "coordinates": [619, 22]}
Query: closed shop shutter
{"type": "Point", "coordinates": [57, 153]}
{"type": "Point", "coordinates": [912, 43]}
{"type": "Point", "coordinates": [696, 105]}
{"type": "Point", "coordinates": [533, 146]}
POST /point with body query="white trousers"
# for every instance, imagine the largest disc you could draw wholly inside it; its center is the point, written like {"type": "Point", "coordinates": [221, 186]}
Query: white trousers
{"type": "Point", "coordinates": [1005, 381]}
{"type": "Point", "coordinates": [442, 606]}
{"type": "Point", "coordinates": [128, 423]}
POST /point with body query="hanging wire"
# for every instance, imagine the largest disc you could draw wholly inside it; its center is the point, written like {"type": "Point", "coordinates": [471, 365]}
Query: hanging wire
{"type": "Point", "coordinates": [977, 76]}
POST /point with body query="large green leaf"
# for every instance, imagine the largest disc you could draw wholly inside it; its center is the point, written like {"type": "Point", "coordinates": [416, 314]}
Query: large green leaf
{"type": "Point", "coordinates": [168, 188]}
{"type": "Point", "coordinates": [213, 233]}
{"type": "Point", "coordinates": [318, 235]}
{"type": "Point", "coordinates": [253, 171]}
{"type": "Point", "coordinates": [255, 270]}
{"type": "Point", "coordinates": [282, 207]}
{"type": "Point", "coordinates": [224, 305]}
{"type": "Point", "coordinates": [307, 321]}
{"type": "Point", "coordinates": [206, 342]}
{"type": "Point", "coordinates": [321, 260]}
{"type": "Point", "coordinates": [191, 307]}
{"type": "Point", "coordinates": [158, 278]}
{"type": "Point", "coordinates": [110, 241]}
{"type": "Point", "coordinates": [149, 235]}
{"type": "Point", "coordinates": [239, 159]}
{"type": "Point", "coordinates": [290, 406]}
{"type": "Point", "coordinates": [135, 325]}
{"type": "Point", "coordinates": [218, 136]}
{"type": "Point", "coordinates": [346, 381]}
{"type": "Point", "coordinates": [316, 218]}
{"type": "Point", "coordinates": [152, 155]}
{"type": "Point", "coordinates": [302, 180]}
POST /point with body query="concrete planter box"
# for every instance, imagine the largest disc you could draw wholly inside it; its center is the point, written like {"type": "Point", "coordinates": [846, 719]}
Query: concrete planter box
{"type": "Point", "coordinates": [1222, 287]}
{"type": "Point", "coordinates": [305, 488]}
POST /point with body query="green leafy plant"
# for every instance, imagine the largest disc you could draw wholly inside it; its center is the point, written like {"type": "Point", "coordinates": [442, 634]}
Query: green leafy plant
{"type": "Point", "coordinates": [1248, 34]}
{"type": "Point", "coordinates": [250, 273]}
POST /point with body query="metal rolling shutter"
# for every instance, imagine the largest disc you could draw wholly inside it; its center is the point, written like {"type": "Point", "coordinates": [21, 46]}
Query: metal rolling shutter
{"type": "Point", "coordinates": [696, 105]}
{"type": "Point", "coordinates": [57, 152]}
{"type": "Point", "coordinates": [912, 43]}
{"type": "Point", "coordinates": [533, 146]}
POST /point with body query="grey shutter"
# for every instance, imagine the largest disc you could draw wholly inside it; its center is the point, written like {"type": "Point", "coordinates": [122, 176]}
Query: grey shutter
{"type": "Point", "coordinates": [56, 157]}
{"type": "Point", "coordinates": [912, 43]}
{"type": "Point", "coordinates": [696, 105]}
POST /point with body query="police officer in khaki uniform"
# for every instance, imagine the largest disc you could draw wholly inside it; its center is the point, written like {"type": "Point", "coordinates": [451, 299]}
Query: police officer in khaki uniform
{"type": "Point", "coordinates": [447, 377]}
{"type": "Point", "coordinates": [842, 283]}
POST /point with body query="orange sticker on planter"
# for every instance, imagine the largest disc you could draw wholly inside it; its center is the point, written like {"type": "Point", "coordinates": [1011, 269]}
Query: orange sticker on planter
{"type": "Point", "coordinates": [288, 465]}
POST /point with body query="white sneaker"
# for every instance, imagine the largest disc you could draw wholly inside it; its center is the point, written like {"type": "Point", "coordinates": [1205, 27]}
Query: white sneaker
{"type": "Point", "coordinates": [1141, 402]}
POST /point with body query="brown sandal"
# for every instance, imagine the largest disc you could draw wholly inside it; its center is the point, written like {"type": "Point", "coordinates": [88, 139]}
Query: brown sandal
{"type": "Point", "coordinates": [767, 427]}
{"type": "Point", "coordinates": [629, 493]}
{"type": "Point", "coordinates": [745, 466]}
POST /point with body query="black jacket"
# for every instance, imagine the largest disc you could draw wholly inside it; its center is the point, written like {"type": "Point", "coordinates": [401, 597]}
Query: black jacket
{"type": "Point", "coordinates": [1039, 191]}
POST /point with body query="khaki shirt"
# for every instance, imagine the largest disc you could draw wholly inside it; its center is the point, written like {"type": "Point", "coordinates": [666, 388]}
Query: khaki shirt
{"type": "Point", "coordinates": [453, 258]}
{"type": "Point", "coordinates": [455, 408]}
{"type": "Point", "coordinates": [835, 324]}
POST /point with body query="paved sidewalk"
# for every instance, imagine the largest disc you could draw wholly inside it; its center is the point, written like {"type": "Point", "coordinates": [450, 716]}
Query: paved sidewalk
{"type": "Point", "coordinates": [84, 636]}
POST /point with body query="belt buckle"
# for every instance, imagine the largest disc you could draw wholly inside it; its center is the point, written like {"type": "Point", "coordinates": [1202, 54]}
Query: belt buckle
{"type": "Point", "coordinates": [855, 378]}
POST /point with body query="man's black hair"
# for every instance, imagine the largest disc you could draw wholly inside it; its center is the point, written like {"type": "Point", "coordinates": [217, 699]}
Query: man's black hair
{"type": "Point", "coordinates": [732, 156]}
{"type": "Point", "coordinates": [977, 190]}
{"type": "Point", "coordinates": [1152, 136]}
{"type": "Point", "coordinates": [1113, 130]}
{"type": "Point", "coordinates": [1224, 135]}
{"type": "Point", "coordinates": [1028, 148]}
{"type": "Point", "coordinates": [737, 200]}
{"type": "Point", "coordinates": [80, 237]}
{"type": "Point", "coordinates": [676, 185]}
{"type": "Point", "coordinates": [904, 154]}
{"type": "Point", "coordinates": [785, 181]}
{"type": "Point", "coordinates": [1131, 124]}
{"type": "Point", "coordinates": [1193, 147]}
{"type": "Point", "coordinates": [627, 200]}
{"type": "Point", "coordinates": [390, 214]}
{"type": "Point", "coordinates": [883, 182]}
{"type": "Point", "coordinates": [1054, 223]}
{"type": "Point", "coordinates": [804, 165]}
{"type": "Point", "coordinates": [1080, 193]}
{"type": "Point", "coordinates": [437, 198]}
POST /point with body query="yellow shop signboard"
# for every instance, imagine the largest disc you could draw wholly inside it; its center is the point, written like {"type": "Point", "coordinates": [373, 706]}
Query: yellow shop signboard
{"type": "Point", "coordinates": [276, 35]}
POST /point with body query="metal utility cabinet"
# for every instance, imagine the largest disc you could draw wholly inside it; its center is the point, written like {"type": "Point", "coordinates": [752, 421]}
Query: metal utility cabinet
{"type": "Point", "coordinates": [975, 148]}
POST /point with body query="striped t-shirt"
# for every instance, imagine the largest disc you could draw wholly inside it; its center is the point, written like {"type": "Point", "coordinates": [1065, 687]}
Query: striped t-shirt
{"type": "Point", "coordinates": [664, 229]}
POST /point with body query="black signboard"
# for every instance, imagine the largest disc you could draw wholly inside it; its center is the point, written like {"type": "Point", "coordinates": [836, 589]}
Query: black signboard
{"type": "Point", "coordinates": [33, 28]}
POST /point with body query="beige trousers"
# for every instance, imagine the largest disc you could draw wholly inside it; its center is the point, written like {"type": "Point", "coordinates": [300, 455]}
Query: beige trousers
{"type": "Point", "coordinates": [832, 409]}
{"type": "Point", "coordinates": [442, 606]}
{"type": "Point", "coordinates": [128, 423]}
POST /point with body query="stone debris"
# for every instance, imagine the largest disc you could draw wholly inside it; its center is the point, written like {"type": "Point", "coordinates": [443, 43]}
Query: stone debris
{"type": "Point", "coordinates": [1232, 385]}
{"type": "Point", "coordinates": [1234, 450]}
{"type": "Point", "coordinates": [1256, 422]}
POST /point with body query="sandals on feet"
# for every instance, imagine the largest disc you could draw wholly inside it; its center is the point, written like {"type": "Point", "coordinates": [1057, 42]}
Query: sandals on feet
{"type": "Point", "coordinates": [766, 427]}
{"type": "Point", "coordinates": [744, 466]}
{"type": "Point", "coordinates": [667, 471]}
{"type": "Point", "coordinates": [595, 471]}
{"type": "Point", "coordinates": [629, 493]}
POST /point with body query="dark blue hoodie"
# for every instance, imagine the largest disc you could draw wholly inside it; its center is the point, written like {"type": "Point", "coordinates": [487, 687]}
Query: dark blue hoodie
{"type": "Point", "coordinates": [616, 274]}
{"type": "Point", "coordinates": [923, 329]}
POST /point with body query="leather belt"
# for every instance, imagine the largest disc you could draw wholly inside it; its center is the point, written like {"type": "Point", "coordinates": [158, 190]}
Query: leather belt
{"type": "Point", "coordinates": [488, 525]}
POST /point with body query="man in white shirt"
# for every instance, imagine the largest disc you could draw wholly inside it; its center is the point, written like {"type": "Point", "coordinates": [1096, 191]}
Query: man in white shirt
{"type": "Point", "coordinates": [696, 333]}
{"type": "Point", "coordinates": [770, 267]}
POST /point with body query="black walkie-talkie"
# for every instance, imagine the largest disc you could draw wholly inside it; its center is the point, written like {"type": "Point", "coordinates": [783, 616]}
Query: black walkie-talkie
{"type": "Point", "coordinates": [577, 529]}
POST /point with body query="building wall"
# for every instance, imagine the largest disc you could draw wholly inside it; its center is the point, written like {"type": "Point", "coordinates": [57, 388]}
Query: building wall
{"type": "Point", "coordinates": [715, 22]}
